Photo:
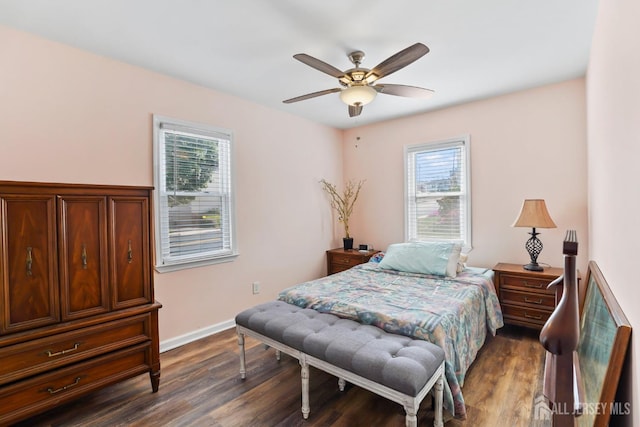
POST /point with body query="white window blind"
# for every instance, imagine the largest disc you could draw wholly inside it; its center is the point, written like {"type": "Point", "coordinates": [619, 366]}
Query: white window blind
{"type": "Point", "coordinates": [194, 198]}
{"type": "Point", "coordinates": [438, 199]}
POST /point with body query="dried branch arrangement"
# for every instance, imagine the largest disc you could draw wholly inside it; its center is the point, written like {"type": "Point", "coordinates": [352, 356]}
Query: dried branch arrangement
{"type": "Point", "coordinates": [343, 203]}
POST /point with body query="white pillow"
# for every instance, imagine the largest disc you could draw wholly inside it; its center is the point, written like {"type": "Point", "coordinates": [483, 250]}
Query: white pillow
{"type": "Point", "coordinates": [462, 262]}
{"type": "Point", "coordinates": [437, 258]}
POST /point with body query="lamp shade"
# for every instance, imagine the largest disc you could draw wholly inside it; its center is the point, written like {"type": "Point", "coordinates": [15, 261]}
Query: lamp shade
{"type": "Point", "coordinates": [534, 214]}
{"type": "Point", "coordinates": [358, 95]}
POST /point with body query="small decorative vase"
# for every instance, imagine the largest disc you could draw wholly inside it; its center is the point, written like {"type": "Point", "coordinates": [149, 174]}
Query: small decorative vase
{"type": "Point", "coordinates": [347, 243]}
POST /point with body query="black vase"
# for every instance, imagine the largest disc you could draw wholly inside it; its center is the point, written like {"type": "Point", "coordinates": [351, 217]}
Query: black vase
{"type": "Point", "coordinates": [347, 243]}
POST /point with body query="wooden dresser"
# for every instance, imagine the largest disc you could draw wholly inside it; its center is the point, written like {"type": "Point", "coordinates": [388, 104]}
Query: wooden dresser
{"type": "Point", "coordinates": [523, 294]}
{"type": "Point", "coordinates": [77, 307]}
{"type": "Point", "coordinates": [340, 259]}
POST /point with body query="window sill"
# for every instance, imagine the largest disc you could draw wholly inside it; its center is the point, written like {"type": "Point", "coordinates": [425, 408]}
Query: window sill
{"type": "Point", "coordinates": [167, 268]}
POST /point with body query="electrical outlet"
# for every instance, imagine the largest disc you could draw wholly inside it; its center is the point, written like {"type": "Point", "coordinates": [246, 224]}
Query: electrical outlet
{"type": "Point", "coordinates": [255, 287]}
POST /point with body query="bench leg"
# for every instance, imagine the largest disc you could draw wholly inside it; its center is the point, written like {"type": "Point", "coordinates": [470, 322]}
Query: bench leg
{"type": "Point", "coordinates": [341, 384]}
{"type": "Point", "coordinates": [437, 410]}
{"type": "Point", "coordinates": [278, 354]}
{"type": "Point", "coordinates": [304, 374]}
{"type": "Point", "coordinates": [411, 420]}
{"type": "Point", "coordinates": [243, 370]}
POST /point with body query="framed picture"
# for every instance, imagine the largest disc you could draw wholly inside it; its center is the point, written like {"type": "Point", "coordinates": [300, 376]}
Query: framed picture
{"type": "Point", "coordinates": [604, 337]}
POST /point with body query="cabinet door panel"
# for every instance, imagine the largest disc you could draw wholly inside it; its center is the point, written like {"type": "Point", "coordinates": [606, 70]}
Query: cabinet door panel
{"type": "Point", "coordinates": [129, 251]}
{"type": "Point", "coordinates": [27, 262]}
{"type": "Point", "coordinates": [83, 247]}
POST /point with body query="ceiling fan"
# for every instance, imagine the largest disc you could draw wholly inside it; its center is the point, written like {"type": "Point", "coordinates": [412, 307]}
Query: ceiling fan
{"type": "Point", "coordinates": [358, 83]}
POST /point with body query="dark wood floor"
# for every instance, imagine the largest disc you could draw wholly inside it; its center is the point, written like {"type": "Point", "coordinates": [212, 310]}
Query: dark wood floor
{"type": "Point", "coordinates": [200, 385]}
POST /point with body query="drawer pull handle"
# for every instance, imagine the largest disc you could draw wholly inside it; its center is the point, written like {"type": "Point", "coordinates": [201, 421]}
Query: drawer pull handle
{"type": "Point", "coordinates": [29, 261]}
{"type": "Point", "coordinates": [49, 353]}
{"type": "Point", "coordinates": [83, 256]}
{"type": "Point", "coordinates": [129, 253]}
{"type": "Point", "coordinates": [533, 301]}
{"type": "Point", "coordinates": [528, 316]}
{"type": "Point", "coordinates": [66, 387]}
{"type": "Point", "coordinates": [532, 285]}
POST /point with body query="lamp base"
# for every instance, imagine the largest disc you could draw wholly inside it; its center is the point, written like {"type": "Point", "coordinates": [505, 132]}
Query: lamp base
{"type": "Point", "coordinates": [534, 247]}
{"type": "Point", "coordinates": [533, 267]}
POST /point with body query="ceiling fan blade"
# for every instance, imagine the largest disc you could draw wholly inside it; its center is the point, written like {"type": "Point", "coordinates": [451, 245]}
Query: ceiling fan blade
{"type": "Point", "coordinates": [319, 65]}
{"type": "Point", "coordinates": [397, 61]}
{"type": "Point", "coordinates": [355, 110]}
{"type": "Point", "coordinates": [312, 95]}
{"type": "Point", "coordinates": [404, 90]}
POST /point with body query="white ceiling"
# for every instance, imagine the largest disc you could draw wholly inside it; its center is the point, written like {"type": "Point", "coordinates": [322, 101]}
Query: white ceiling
{"type": "Point", "coordinates": [478, 48]}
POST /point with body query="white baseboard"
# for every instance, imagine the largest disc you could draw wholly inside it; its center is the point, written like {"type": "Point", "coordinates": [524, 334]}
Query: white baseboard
{"type": "Point", "coordinates": [195, 335]}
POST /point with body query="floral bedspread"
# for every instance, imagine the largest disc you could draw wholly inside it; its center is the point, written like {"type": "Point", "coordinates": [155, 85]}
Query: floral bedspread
{"type": "Point", "coordinates": [452, 313]}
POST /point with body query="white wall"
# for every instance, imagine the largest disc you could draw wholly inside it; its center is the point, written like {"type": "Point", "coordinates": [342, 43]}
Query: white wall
{"type": "Point", "coordinates": [613, 104]}
{"type": "Point", "coordinates": [529, 144]}
{"type": "Point", "coordinates": [70, 116]}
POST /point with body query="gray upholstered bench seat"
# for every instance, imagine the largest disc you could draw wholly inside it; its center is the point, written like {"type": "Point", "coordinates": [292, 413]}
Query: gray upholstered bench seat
{"type": "Point", "coordinates": [396, 367]}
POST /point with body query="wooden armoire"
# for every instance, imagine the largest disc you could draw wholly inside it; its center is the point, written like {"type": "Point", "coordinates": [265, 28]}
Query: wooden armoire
{"type": "Point", "coordinates": [77, 310]}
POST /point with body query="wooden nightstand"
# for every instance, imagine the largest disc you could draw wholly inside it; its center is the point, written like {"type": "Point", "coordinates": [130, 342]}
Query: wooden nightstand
{"type": "Point", "coordinates": [340, 259]}
{"type": "Point", "coordinates": [523, 294]}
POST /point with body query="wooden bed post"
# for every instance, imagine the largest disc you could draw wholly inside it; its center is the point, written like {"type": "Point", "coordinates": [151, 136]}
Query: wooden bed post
{"type": "Point", "coordinates": [560, 337]}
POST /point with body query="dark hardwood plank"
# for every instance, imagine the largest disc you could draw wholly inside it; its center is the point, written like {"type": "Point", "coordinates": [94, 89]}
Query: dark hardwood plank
{"type": "Point", "coordinates": [200, 385]}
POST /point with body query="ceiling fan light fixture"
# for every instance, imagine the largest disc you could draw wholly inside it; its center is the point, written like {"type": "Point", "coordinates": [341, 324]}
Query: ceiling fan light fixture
{"type": "Point", "coordinates": [358, 95]}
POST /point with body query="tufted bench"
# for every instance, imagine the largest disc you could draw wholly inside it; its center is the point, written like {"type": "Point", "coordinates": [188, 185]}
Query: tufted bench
{"type": "Point", "coordinates": [396, 367]}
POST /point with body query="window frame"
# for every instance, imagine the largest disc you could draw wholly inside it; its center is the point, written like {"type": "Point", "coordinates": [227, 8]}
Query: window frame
{"type": "Point", "coordinates": [463, 141]}
{"type": "Point", "coordinates": [168, 264]}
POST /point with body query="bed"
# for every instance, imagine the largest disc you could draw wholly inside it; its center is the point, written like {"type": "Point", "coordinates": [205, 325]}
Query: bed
{"type": "Point", "coordinates": [456, 313]}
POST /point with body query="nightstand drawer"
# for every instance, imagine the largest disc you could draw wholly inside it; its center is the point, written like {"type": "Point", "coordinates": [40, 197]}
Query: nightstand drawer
{"type": "Point", "coordinates": [525, 316]}
{"type": "Point", "coordinates": [509, 296]}
{"type": "Point", "coordinates": [523, 294]}
{"type": "Point", "coordinates": [346, 260]}
{"type": "Point", "coordinates": [340, 259]}
{"type": "Point", "coordinates": [527, 283]}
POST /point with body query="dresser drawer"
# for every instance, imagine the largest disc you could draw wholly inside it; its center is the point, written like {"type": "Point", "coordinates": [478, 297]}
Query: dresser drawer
{"type": "Point", "coordinates": [526, 283]}
{"type": "Point", "coordinates": [48, 390]}
{"type": "Point", "coordinates": [510, 296]}
{"type": "Point", "coordinates": [34, 357]}
{"type": "Point", "coordinates": [526, 316]}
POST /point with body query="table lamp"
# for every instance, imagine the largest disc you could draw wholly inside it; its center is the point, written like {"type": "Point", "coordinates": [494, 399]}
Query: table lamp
{"type": "Point", "coordinates": [534, 214]}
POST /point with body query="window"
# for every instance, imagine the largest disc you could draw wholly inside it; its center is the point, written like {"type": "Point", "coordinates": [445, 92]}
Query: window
{"type": "Point", "coordinates": [438, 196]}
{"type": "Point", "coordinates": [193, 194]}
